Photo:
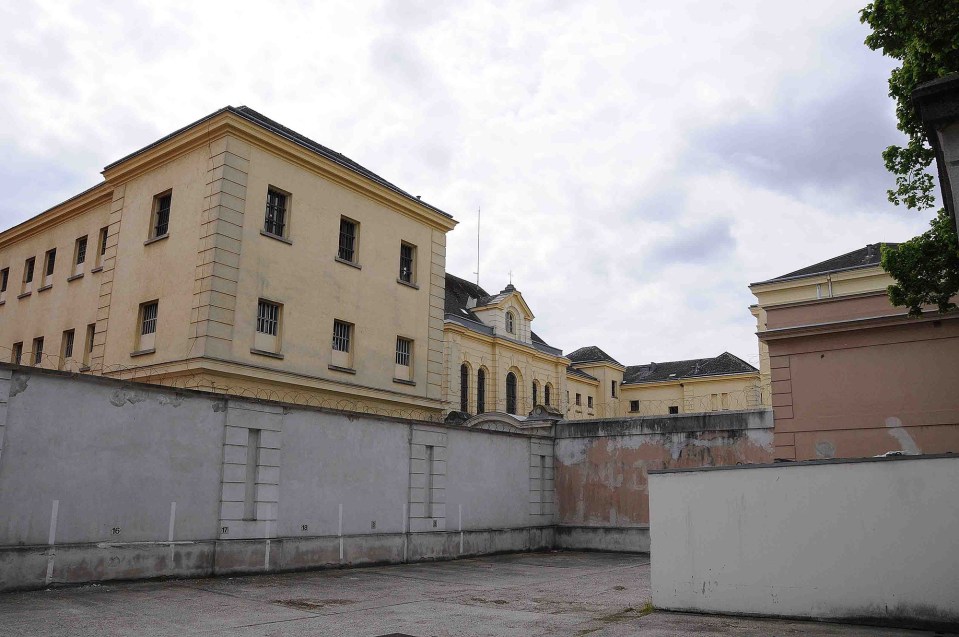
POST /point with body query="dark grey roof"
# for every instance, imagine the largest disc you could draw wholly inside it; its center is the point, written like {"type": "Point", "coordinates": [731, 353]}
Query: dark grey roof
{"type": "Point", "coordinates": [572, 371]}
{"type": "Point", "coordinates": [725, 363]}
{"type": "Point", "coordinates": [458, 294]}
{"type": "Point", "coordinates": [275, 127]}
{"type": "Point", "coordinates": [865, 257]}
{"type": "Point", "coordinates": [591, 354]}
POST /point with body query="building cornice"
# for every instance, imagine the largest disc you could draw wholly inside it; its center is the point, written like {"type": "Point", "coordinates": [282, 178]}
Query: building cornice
{"type": "Point", "coordinates": [844, 274]}
{"type": "Point", "coordinates": [76, 205]}
{"type": "Point", "coordinates": [592, 364]}
{"type": "Point", "coordinates": [885, 320]}
{"type": "Point", "coordinates": [497, 341]}
{"type": "Point", "coordinates": [690, 380]}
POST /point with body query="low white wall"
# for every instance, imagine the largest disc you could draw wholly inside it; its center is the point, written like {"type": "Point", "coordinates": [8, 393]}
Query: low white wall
{"type": "Point", "coordinates": [874, 540]}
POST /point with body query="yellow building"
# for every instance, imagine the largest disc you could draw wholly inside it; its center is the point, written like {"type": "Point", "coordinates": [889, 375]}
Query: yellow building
{"type": "Point", "coordinates": [855, 273]}
{"type": "Point", "coordinates": [237, 255]}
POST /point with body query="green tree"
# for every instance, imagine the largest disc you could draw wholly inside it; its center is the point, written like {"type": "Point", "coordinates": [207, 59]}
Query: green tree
{"type": "Point", "coordinates": [924, 36]}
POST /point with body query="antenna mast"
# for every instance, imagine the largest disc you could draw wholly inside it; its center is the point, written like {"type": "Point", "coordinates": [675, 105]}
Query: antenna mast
{"type": "Point", "coordinates": [479, 216]}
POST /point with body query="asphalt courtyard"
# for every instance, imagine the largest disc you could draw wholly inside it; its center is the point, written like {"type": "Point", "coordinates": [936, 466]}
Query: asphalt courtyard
{"type": "Point", "coordinates": [560, 593]}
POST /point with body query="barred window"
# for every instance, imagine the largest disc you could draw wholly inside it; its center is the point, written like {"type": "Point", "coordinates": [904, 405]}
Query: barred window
{"type": "Point", "coordinates": [404, 351]}
{"type": "Point", "coordinates": [464, 387]}
{"type": "Point", "coordinates": [28, 270]}
{"type": "Point", "coordinates": [546, 392]}
{"type": "Point", "coordinates": [17, 353]}
{"type": "Point", "coordinates": [342, 333]}
{"type": "Point", "coordinates": [347, 248]}
{"type": "Point", "coordinates": [589, 402]}
{"type": "Point", "coordinates": [149, 325]}
{"type": "Point", "coordinates": [51, 261]}
{"type": "Point", "coordinates": [510, 327]}
{"type": "Point", "coordinates": [634, 405]}
{"type": "Point", "coordinates": [4, 277]}
{"type": "Point", "coordinates": [579, 399]}
{"type": "Point", "coordinates": [275, 212]}
{"type": "Point", "coordinates": [407, 253]}
{"type": "Point", "coordinates": [511, 393]}
{"type": "Point", "coordinates": [81, 250]}
{"type": "Point", "coordinates": [161, 217]}
{"type": "Point", "coordinates": [103, 241]}
{"type": "Point", "coordinates": [480, 391]}
{"type": "Point", "coordinates": [38, 350]}
{"type": "Point", "coordinates": [535, 393]}
{"type": "Point", "coordinates": [68, 344]}
{"type": "Point", "coordinates": [267, 317]}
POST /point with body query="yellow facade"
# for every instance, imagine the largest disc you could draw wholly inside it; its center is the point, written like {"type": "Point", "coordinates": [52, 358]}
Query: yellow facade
{"type": "Point", "coordinates": [213, 266]}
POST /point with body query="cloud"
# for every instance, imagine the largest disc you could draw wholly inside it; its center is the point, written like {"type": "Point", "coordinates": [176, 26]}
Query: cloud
{"type": "Point", "coordinates": [702, 243]}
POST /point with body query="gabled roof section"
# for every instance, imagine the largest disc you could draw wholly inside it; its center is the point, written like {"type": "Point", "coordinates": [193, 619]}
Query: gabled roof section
{"type": "Point", "coordinates": [864, 257]}
{"type": "Point", "coordinates": [500, 300]}
{"type": "Point", "coordinates": [276, 128]}
{"type": "Point", "coordinates": [572, 371]}
{"type": "Point", "coordinates": [591, 354]}
{"type": "Point", "coordinates": [721, 365]}
{"type": "Point", "coordinates": [462, 296]}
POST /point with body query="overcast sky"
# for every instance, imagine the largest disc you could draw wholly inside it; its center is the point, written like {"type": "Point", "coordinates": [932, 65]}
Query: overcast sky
{"type": "Point", "coordinates": [638, 164]}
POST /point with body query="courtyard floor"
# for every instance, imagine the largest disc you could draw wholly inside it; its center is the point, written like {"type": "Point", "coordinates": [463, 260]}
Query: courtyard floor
{"type": "Point", "coordinates": [561, 593]}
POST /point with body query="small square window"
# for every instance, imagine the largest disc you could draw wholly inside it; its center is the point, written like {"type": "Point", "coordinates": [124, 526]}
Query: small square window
{"type": "Point", "coordinates": [634, 405]}
{"type": "Point", "coordinates": [674, 409]}
{"type": "Point", "coordinates": [266, 338]}
{"type": "Point", "coordinates": [407, 263]}
{"type": "Point", "coordinates": [277, 206]}
{"type": "Point", "coordinates": [342, 354]}
{"type": "Point", "coordinates": [160, 219]}
{"type": "Point", "coordinates": [349, 240]}
{"type": "Point", "coordinates": [149, 313]}
{"type": "Point", "coordinates": [38, 351]}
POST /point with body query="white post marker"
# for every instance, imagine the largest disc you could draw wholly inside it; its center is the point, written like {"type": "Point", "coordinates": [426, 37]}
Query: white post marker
{"type": "Point", "coordinates": [52, 540]}
{"type": "Point", "coordinates": [340, 532]}
{"type": "Point", "coordinates": [406, 536]}
{"type": "Point", "coordinates": [266, 557]}
{"type": "Point", "coordinates": [461, 529]}
{"type": "Point", "coordinates": [170, 531]}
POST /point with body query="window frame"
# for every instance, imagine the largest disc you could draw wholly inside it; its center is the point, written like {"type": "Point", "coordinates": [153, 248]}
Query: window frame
{"type": "Point", "coordinates": [410, 270]}
{"type": "Point", "coordinates": [36, 354]}
{"type": "Point", "coordinates": [49, 262]}
{"type": "Point", "coordinates": [16, 353]}
{"type": "Point", "coordinates": [589, 402]}
{"type": "Point", "coordinates": [579, 399]}
{"type": "Point", "coordinates": [547, 391]}
{"type": "Point", "coordinates": [80, 249]}
{"type": "Point", "coordinates": [510, 322]}
{"type": "Point", "coordinates": [634, 406]}
{"type": "Point", "coordinates": [481, 390]}
{"type": "Point", "coordinates": [354, 249]}
{"type": "Point", "coordinates": [145, 341]}
{"type": "Point", "coordinates": [342, 341]}
{"type": "Point", "coordinates": [512, 391]}
{"type": "Point", "coordinates": [673, 410]}
{"type": "Point", "coordinates": [4, 283]}
{"type": "Point", "coordinates": [270, 224]}
{"type": "Point", "coordinates": [157, 211]}
{"type": "Point", "coordinates": [102, 235]}
{"type": "Point", "coordinates": [465, 387]}
{"type": "Point", "coordinates": [67, 343]}
{"type": "Point", "coordinates": [270, 323]}
{"type": "Point", "coordinates": [399, 366]}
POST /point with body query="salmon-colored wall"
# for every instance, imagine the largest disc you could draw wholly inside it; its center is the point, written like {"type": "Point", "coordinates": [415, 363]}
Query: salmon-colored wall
{"type": "Point", "coordinates": [830, 310]}
{"type": "Point", "coordinates": [867, 391]}
{"type": "Point", "coordinates": [602, 480]}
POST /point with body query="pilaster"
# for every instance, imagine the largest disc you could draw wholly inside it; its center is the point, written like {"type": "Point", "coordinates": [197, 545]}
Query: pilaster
{"type": "Point", "coordinates": [107, 275]}
{"type": "Point", "coordinates": [434, 358]}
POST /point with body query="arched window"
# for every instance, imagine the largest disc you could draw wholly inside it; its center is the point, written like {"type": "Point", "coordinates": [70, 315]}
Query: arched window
{"type": "Point", "coordinates": [480, 391]}
{"type": "Point", "coordinates": [464, 387]}
{"type": "Point", "coordinates": [546, 392]}
{"type": "Point", "coordinates": [510, 323]}
{"type": "Point", "coordinates": [511, 393]}
{"type": "Point", "coordinates": [535, 393]}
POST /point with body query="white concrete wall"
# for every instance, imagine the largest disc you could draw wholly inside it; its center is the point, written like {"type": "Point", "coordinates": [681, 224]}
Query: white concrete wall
{"type": "Point", "coordinates": [874, 540]}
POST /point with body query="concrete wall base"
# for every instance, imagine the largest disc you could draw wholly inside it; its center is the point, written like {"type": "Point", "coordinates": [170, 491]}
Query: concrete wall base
{"type": "Point", "coordinates": [33, 567]}
{"type": "Point", "coordinates": [623, 539]}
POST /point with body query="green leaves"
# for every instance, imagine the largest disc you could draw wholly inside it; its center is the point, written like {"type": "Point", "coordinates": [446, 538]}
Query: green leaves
{"type": "Point", "coordinates": [926, 268]}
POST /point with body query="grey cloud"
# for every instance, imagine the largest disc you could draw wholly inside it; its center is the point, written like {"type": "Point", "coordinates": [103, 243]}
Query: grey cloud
{"type": "Point", "coordinates": [704, 243]}
{"type": "Point", "coordinates": [814, 146]}
{"type": "Point", "coordinates": [29, 185]}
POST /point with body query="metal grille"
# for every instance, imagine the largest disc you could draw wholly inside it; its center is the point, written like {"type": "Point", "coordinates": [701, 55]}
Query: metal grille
{"type": "Point", "coordinates": [267, 318]}
{"type": "Point", "coordinates": [162, 215]}
{"type": "Point", "coordinates": [406, 263]}
{"type": "Point", "coordinates": [341, 336]}
{"type": "Point", "coordinates": [511, 393]}
{"type": "Point", "coordinates": [347, 240]}
{"type": "Point", "coordinates": [68, 344]}
{"type": "Point", "coordinates": [103, 241]}
{"type": "Point", "coordinates": [275, 213]}
{"type": "Point", "coordinates": [464, 387]}
{"type": "Point", "coordinates": [149, 318]}
{"type": "Point", "coordinates": [404, 351]}
{"type": "Point", "coordinates": [81, 250]}
{"type": "Point", "coordinates": [480, 391]}
{"type": "Point", "coordinates": [28, 270]}
{"type": "Point", "coordinates": [51, 261]}
{"type": "Point", "coordinates": [37, 350]}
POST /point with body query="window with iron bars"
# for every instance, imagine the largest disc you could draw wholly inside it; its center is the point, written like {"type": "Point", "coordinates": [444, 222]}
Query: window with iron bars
{"type": "Point", "coordinates": [149, 318]}
{"type": "Point", "coordinates": [68, 344]}
{"type": "Point", "coordinates": [51, 261]}
{"type": "Point", "coordinates": [275, 213]}
{"type": "Point", "coordinates": [464, 387]}
{"type": "Point", "coordinates": [342, 332]}
{"type": "Point", "coordinates": [267, 317]}
{"type": "Point", "coordinates": [28, 270]}
{"type": "Point", "coordinates": [404, 351]}
{"type": "Point", "coordinates": [406, 262]}
{"type": "Point", "coordinates": [81, 250]}
{"type": "Point", "coordinates": [38, 350]}
{"type": "Point", "coordinates": [162, 215]}
{"type": "Point", "coordinates": [347, 248]}
{"type": "Point", "coordinates": [103, 241]}
{"type": "Point", "coordinates": [4, 278]}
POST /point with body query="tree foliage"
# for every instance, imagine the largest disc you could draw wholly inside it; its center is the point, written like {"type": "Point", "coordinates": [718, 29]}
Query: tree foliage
{"type": "Point", "coordinates": [926, 268]}
{"type": "Point", "coordinates": [924, 36]}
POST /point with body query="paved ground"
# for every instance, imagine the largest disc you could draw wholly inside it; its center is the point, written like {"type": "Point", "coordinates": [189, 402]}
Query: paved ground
{"type": "Point", "coordinates": [595, 594]}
